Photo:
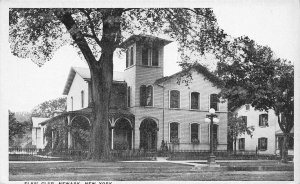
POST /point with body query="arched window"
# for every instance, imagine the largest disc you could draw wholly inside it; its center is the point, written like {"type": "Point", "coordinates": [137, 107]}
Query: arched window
{"type": "Point", "coordinates": [194, 132]}
{"type": "Point", "coordinates": [174, 99]}
{"type": "Point", "coordinates": [214, 102]}
{"type": "Point", "coordinates": [146, 95]}
{"type": "Point", "coordinates": [174, 132]}
{"type": "Point", "coordinates": [195, 100]}
{"type": "Point", "coordinates": [72, 103]}
{"type": "Point", "coordinates": [82, 98]}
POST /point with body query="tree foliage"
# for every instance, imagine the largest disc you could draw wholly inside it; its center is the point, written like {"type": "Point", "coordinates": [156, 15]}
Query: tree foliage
{"type": "Point", "coordinates": [253, 75]}
{"type": "Point", "coordinates": [48, 108]}
{"type": "Point", "coordinates": [37, 33]}
{"type": "Point", "coordinates": [15, 127]}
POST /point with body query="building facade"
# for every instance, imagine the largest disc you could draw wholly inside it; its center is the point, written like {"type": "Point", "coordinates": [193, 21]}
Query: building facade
{"type": "Point", "coordinates": [267, 136]}
{"type": "Point", "coordinates": [147, 108]}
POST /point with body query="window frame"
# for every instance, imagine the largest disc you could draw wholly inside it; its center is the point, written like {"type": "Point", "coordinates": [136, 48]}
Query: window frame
{"type": "Point", "coordinates": [259, 146]}
{"type": "Point", "coordinates": [198, 132]}
{"type": "Point", "coordinates": [143, 101]}
{"type": "Point", "coordinates": [179, 103]}
{"type": "Point", "coordinates": [170, 130]}
{"type": "Point", "coordinates": [218, 103]}
{"type": "Point", "coordinates": [241, 144]}
{"type": "Point", "coordinates": [261, 123]}
{"type": "Point", "coordinates": [199, 97]}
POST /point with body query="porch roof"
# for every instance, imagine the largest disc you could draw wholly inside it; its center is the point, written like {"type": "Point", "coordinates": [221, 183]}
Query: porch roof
{"type": "Point", "coordinates": [88, 112]}
{"type": "Point", "coordinates": [279, 132]}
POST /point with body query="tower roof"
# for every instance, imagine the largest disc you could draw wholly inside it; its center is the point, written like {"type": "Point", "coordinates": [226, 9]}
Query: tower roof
{"type": "Point", "coordinates": [144, 38]}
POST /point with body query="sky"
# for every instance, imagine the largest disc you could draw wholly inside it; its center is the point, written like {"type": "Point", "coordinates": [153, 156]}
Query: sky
{"type": "Point", "coordinates": [25, 85]}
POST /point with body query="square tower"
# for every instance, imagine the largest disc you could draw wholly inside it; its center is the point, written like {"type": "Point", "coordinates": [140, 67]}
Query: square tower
{"type": "Point", "coordinates": [144, 63]}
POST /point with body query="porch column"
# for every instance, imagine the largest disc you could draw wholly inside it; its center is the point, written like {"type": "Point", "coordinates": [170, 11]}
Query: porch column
{"type": "Point", "coordinates": [69, 135]}
{"type": "Point", "coordinates": [132, 146]}
{"type": "Point", "coordinates": [112, 138]}
{"type": "Point", "coordinates": [52, 138]}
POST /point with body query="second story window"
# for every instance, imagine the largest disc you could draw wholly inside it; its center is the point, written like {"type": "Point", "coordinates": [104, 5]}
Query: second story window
{"type": "Point", "coordinates": [263, 120]}
{"type": "Point", "coordinates": [195, 100]}
{"type": "Point", "coordinates": [244, 118]}
{"type": "Point", "coordinates": [146, 95]}
{"type": "Point", "coordinates": [82, 98]}
{"type": "Point", "coordinates": [214, 102]}
{"type": "Point", "coordinates": [174, 99]}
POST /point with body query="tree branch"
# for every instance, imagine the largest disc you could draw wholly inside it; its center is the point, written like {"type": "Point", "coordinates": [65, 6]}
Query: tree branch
{"type": "Point", "coordinates": [66, 18]}
{"type": "Point", "coordinates": [92, 27]}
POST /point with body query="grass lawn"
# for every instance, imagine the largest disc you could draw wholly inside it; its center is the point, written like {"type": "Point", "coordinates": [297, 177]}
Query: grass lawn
{"type": "Point", "coordinates": [124, 171]}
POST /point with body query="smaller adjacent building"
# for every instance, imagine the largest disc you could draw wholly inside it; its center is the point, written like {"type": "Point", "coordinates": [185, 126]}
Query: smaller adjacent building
{"type": "Point", "coordinates": [267, 136]}
{"type": "Point", "coordinates": [38, 131]}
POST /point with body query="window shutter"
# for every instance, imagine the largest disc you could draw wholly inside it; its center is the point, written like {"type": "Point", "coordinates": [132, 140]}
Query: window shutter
{"type": "Point", "coordinates": [260, 120]}
{"type": "Point", "coordinates": [127, 58]}
{"type": "Point", "coordinates": [131, 56]}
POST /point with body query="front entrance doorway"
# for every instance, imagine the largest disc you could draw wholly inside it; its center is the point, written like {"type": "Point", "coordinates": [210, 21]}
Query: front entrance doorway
{"type": "Point", "coordinates": [148, 134]}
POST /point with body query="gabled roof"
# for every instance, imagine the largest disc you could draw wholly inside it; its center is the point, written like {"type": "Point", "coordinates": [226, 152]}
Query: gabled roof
{"type": "Point", "coordinates": [85, 74]}
{"type": "Point", "coordinates": [144, 38]}
{"type": "Point", "coordinates": [198, 68]}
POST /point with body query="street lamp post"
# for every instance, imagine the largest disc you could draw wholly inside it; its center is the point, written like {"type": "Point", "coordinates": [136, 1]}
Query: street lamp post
{"type": "Point", "coordinates": [211, 118]}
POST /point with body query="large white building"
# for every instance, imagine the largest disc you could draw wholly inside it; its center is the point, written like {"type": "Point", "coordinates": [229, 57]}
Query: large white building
{"type": "Point", "coordinates": [146, 107]}
{"type": "Point", "coordinates": [266, 135]}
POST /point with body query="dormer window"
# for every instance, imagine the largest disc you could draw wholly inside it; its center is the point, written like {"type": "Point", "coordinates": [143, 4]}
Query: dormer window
{"type": "Point", "coordinates": [150, 56]}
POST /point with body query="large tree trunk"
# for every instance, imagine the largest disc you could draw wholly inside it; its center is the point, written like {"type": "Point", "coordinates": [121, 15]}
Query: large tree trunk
{"type": "Point", "coordinates": [101, 88]}
{"type": "Point", "coordinates": [101, 74]}
{"type": "Point", "coordinates": [286, 123]}
{"type": "Point", "coordinates": [234, 146]}
{"type": "Point", "coordinates": [284, 152]}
